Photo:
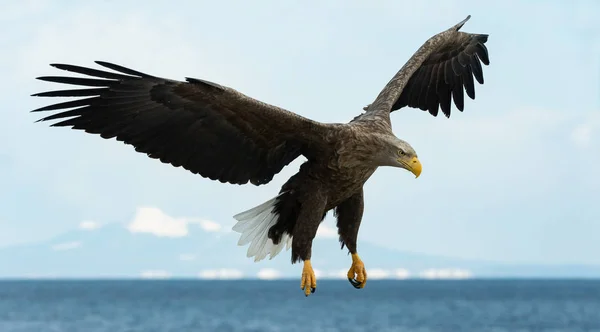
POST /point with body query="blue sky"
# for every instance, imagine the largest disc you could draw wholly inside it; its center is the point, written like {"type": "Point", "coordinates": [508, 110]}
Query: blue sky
{"type": "Point", "coordinates": [513, 178]}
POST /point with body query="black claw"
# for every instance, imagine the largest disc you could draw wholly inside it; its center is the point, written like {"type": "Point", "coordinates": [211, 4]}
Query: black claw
{"type": "Point", "coordinates": [355, 283]}
{"type": "Point", "coordinates": [312, 290]}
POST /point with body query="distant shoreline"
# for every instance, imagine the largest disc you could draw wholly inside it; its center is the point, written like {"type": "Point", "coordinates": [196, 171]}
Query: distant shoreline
{"type": "Point", "coordinates": [292, 279]}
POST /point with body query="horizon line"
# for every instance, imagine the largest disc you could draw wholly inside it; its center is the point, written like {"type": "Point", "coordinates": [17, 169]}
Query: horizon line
{"type": "Point", "coordinates": [291, 278]}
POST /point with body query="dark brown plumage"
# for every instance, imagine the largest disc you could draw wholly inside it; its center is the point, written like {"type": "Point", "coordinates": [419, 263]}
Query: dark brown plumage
{"type": "Point", "coordinates": [184, 124]}
{"type": "Point", "coordinates": [222, 134]}
{"type": "Point", "coordinates": [445, 74]}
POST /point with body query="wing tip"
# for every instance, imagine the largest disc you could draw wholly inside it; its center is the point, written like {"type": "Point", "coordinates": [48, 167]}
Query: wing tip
{"type": "Point", "coordinates": [58, 65]}
{"type": "Point", "coordinates": [460, 24]}
{"type": "Point", "coordinates": [482, 38]}
{"type": "Point", "coordinates": [122, 69]}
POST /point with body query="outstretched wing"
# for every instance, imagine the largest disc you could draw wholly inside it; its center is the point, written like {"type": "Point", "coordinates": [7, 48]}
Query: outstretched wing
{"type": "Point", "coordinates": [206, 128]}
{"type": "Point", "coordinates": [440, 71]}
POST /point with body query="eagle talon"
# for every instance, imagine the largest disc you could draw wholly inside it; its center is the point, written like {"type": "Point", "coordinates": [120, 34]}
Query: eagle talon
{"type": "Point", "coordinates": [355, 283]}
{"type": "Point", "coordinates": [308, 282]}
{"type": "Point", "coordinates": [357, 269]}
{"type": "Point", "coordinates": [312, 291]}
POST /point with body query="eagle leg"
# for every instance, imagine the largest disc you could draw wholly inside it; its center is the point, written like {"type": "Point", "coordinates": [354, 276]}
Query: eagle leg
{"type": "Point", "coordinates": [357, 275]}
{"type": "Point", "coordinates": [308, 281]}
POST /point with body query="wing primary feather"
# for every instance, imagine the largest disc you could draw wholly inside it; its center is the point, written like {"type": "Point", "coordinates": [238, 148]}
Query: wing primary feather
{"type": "Point", "coordinates": [76, 80]}
{"type": "Point", "coordinates": [445, 96]}
{"type": "Point", "coordinates": [426, 86]}
{"type": "Point", "coordinates": [415, 90]}
{"type": "Point", "coordinates": [469, 51]}
{"type": "Point", "coordinates": [448, 73]}
{"type": "Point", "coordinates": [431, 96]}
{"type": "Point", "coordinates": [463, 59]}
{"type": "Point", "coordinates": [69, 122]}
{"type": "Point", "coordinates": [457, 68]}
{"type": "Point", "coordinates": [457, 93]}
{"type": "Point", "coordinates": [67, 104]}
{"type": "Point", "coordinates": [483, 53]}
{"type": "Point", "coordinates": [90, 71]}
{"type": "Point", "coordinates": [476, 68]}
{"type": "Point", "coordinates": [432, 102]}
{"type": "Point", "coordinates": [467, 79]}
{"type": "Point", "coordinates": [441, 80]}
{"type": "Point", "coordinates": [73, 93]}
{"type": "Point", "coordinates": [122, 69]}
{"type": "Point", "coordinates": [65, 114]}
{"type": "Point", "coordinates": [432, 99]}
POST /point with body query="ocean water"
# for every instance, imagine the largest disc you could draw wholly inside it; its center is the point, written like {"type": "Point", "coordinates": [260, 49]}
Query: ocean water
{"type": "Point", "coordinates": [253, 305]}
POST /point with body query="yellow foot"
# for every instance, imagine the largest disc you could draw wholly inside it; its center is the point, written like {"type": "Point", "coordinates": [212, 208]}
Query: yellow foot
{"type": "Point", "coordinates": [357, 275]}
{"type": "Point", "coordinates": [309, 280]}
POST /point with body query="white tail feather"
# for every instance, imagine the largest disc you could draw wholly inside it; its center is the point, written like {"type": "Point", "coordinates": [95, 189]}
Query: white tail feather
{"type": "Point", "coordinates": [254, 225]}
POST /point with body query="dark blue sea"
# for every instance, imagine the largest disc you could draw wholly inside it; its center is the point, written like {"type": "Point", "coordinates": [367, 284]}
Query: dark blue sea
{"type": "Point", "coordinates": [245, 305]}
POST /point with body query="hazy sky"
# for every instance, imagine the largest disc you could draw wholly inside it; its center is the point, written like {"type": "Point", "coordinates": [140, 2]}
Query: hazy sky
{"type": "Point", "coordinates": [513, 178]}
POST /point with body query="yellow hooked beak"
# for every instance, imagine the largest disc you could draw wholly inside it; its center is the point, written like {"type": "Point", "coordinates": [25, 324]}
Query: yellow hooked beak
{"type": "Point", "coordinates": [413, 165]}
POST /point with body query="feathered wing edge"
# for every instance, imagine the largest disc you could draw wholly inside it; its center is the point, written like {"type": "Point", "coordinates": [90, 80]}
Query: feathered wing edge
{"type": "Point", "coordinates": [445, 64]}
{"type": "Point", "coordinates": [178, 122]}
{"type": "Point", "coordinates": [445, 77]}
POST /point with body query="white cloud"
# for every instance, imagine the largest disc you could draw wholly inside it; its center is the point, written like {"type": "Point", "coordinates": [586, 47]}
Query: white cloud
{"type": "Point", "coordinates": [318, 273]}
{"type": "Point", "coordinates": [209, 226]}
{"type": "Point", "coordinates": [325, 231]}
{"type": "Point", "coordinates": [268, 274]}
{"type": "Point", "coordinates": [401, 274]}
{"type": "Point", "coordinates": [451, 273]}
{"type": "Point", "coordinates": [89, 225]}
{"type": "Point", "coordinates": [221, 274]}
{"type": "Point", "coordinates": [378, 274]}
{"type": "Point", "coordinates": [155, 274]}
{"type": "Point", "coordinates": [339, 274]}
{"type": "Point", "coordinates": [66, 246]}
{"type": "Point", "coordinates": [187, 257]}
{"type": "Point", "coordinates": [154, 221]}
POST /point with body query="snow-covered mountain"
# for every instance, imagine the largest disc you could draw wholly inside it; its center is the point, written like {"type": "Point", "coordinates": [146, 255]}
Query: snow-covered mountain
{"type": "Point", "coordinates": [116, 251]}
